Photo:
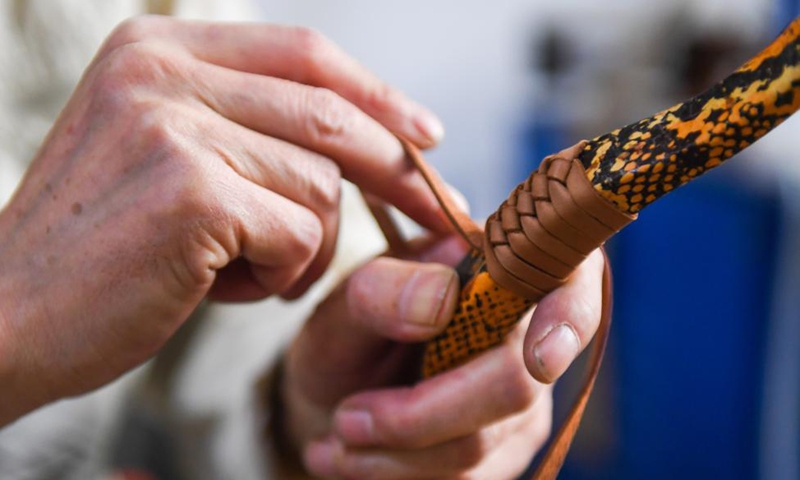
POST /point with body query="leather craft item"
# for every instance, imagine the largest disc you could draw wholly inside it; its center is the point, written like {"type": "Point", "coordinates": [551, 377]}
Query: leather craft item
{"type": "Point", "coordinates": [547, 227]}
{"type": "Point", "coordinates": [582, 217]}
{"type": "Point", "coordinates": [583, 195]}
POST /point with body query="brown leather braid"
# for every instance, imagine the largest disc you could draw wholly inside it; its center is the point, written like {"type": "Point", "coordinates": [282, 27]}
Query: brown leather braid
{"type": "Point", "coordinates": [549, 224]}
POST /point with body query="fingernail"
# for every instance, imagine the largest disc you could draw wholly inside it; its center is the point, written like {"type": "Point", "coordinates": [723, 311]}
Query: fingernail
{"type": "Point", "coordinates": [556, 351]}
{"type": "Point", "coordinates": [354, 427]}
{"type": "Point", "coordinates": [321, 457]}
{"type": "Point", "coordinates": [422, 301]}
{"type": "Point", "coordinates": [429, 125]}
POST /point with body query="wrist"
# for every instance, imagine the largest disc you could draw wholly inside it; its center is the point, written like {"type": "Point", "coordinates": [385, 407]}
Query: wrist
{"type": "Point", "coordinates": [21, 386]}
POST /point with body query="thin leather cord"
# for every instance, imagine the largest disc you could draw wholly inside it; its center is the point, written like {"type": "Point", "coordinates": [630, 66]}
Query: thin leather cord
{"type": "Point", "coordinates": [391, 232]}
{"type": "Point", "coordinates": [467, 228]}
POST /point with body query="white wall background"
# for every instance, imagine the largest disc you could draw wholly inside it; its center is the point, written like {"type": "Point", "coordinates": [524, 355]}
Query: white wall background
{"type": "Point", "coordinates": [467, 60]}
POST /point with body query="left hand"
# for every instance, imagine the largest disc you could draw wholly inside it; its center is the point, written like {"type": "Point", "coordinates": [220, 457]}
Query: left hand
{"type": "Point", "coordinates": [353, 412]}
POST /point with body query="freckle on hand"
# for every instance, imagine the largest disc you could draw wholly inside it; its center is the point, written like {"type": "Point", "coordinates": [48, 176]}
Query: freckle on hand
{"type": "Point", "coordinates": [77, 208]}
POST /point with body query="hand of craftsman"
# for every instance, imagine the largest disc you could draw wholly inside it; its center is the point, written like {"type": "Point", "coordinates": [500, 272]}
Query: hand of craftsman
{"type": "Point", "coordinates": [192, 159]}
{"type": "Point", "coordinates": [349, 409]}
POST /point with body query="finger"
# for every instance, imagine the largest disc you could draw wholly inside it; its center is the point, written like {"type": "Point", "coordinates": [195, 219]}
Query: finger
{"type": "Point", "coordinates": [322, 121]}
{"type": "Point", "coordinates": [520, 449]}
{"type": "Point", "coordinates": [400, 300]}
{"type": "Point", "coordinates": [565, 321]}
{"type": "Point", "coordinates": [493, 445]}
{"type": "Point", "coordinates": [278, 237]}
{"type": "Point", "coordinates": [386, 299]}
{"type": "Point", "coordinates": [299, 175]}
{"type": "Point", "coordinates": [392, 299]}
{"type": "Point", "coordinates": [330, 458]}
{"type": "Point", "coordinates": [442, 408]}
{"type": "Point", "coordinates": [293, 53]}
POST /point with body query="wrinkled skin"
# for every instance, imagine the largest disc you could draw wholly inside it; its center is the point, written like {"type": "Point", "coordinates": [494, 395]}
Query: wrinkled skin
{"type": "Point", "coordinates": [354, 411]}
{"type": "Point", "coordinates": [193, 159]}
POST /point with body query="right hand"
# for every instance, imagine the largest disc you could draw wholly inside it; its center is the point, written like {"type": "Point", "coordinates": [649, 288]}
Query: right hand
{"type": "Point", "coordinates": [353, 406]}
{"type": "Point", "coordinates": [192, 159]}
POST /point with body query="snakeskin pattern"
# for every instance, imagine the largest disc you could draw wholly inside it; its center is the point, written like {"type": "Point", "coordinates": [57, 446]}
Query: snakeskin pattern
{"type": "Point", "coordinates": [637, 164]}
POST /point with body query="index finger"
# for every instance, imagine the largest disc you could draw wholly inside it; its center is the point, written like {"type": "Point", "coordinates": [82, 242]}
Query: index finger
{"type": "Point", "coordinates": [493, 386]}
{"type": "Point", "coordinates": [292, 53]}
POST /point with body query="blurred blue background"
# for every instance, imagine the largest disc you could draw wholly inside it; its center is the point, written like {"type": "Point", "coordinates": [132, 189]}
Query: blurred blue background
{"type": "Point", "coordinates": [703, 373]}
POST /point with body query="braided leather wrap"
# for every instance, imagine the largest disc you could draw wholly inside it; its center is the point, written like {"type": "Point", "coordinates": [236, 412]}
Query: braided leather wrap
{"type": "Point", "coordinates": [549, 224]}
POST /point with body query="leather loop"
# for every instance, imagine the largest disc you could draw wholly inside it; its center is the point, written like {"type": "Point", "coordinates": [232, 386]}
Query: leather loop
{"type": "Point", "coordinates": [563, 220]}
{"type": "Point", "coordinates": [467, 228]}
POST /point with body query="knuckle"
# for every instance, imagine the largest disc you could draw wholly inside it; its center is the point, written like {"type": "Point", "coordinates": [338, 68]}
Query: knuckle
{"type": "Point", "coordinates": [203, 223]}
{"type": "Point", "coordinates": [383, 97]}
{"type": "Point", "coordinates": [327, 116]}
{"type": "Point", "coordinates": [129, 72]}
{"type": "Point", "coordinates": [196, 195]}
{"type": "Point", "coordinates": [132, 30]}
{"type": "Point", "coordinates": [141, 62]}
{"type": "Point", "coordinates": [402, 428]}
{"type": "Point", "coordinates": [155, 128]}
{"type": "Point", "coordinates": [192, 191]}
{"type": "Point", "coordinates": [326, 186]}
{"type": "Point", "coordinates": [307, 238]}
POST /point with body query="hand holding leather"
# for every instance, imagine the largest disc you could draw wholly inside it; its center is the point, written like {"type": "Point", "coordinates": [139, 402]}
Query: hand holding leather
{"type": "Point", "coordinates": [350, 402]}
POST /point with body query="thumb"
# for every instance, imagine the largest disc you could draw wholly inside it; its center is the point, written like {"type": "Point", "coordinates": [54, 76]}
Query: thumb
{"type": "Point", "coordinates": [351, 339]}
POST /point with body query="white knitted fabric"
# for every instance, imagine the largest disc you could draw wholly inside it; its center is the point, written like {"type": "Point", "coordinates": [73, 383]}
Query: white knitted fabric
{"type": "Point", "coordinates": [44, 47]}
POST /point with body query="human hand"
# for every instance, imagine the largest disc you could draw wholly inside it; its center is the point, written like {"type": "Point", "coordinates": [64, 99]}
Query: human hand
{"type": "Point", "coordinates": [351, 408]}
{"type": "Point", "coordinates": [192, 159]}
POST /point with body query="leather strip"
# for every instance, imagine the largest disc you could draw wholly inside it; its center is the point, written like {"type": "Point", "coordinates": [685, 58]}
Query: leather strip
{"type": "Point", "coordinates": [553, 459]}
{"type": "Point", "coordinates": [468, 229]}
{"type": "Point", "coordinates": [391, 232]}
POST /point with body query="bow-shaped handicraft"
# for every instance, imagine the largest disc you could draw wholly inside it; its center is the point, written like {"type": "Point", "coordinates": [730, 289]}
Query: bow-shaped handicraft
{"type": "Point", "coordinates": [582, 196]}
